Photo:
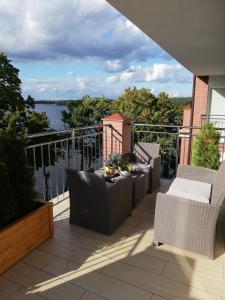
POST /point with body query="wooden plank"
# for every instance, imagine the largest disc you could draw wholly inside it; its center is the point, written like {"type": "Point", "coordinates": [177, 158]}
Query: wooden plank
{"type": "Point", "coordinates": [24, 235]}
{"type": "Point", "coordinates": [23, 232]}
{"type": "Point", "coordinates": [20, 223]}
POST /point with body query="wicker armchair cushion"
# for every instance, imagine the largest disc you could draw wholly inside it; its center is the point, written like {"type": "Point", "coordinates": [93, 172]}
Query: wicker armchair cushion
{"type": "Point", "coordinates": [190, 189]}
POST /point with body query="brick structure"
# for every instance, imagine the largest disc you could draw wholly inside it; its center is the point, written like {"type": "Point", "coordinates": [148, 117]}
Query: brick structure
{"type": "Point", "coordinates": [200, 101]}
{"type": "Point", "coordinates": [117, 135]}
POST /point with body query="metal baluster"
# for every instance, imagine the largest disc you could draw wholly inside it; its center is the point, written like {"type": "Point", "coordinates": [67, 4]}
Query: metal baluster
{"type": "Point", "coordinates": [34, 158]}
{"type": "Point", "coordinates": [83, 156]}
{"type": "Point", "coordinates": [177, 149]}
{"type": "Point", "coordinates": [42, 166]}
{"type": "Point", "coordinates": [62, 170]}
{"type": "Point", "coordinates": [99, 151]}
{"type": "Point", "coordinates": [57, 175]}
{"type": "Point", "coordinates": [50, 175]}
{"type": "Point", "coordinates": [95, 152]}
{"type": "Point", "coordinates": [73, 149]}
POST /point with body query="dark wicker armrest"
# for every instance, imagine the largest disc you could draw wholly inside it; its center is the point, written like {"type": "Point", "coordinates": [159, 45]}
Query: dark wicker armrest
{"type": "Point", "coordinates": [155, 172]}
{"type": "Point", "coordinates": [196, 173]}
{"type": "Point", "coordinates": [156, 161]}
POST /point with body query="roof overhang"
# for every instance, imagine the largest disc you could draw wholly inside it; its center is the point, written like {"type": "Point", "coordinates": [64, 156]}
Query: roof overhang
{"type": "Point", "coordinates": [192, 31]}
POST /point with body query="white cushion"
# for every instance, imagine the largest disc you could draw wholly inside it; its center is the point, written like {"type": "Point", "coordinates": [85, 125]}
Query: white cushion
{"type": "Point", "coordinates": [140, 167]}
{"type": "Point", "coordinates": [190, 189]}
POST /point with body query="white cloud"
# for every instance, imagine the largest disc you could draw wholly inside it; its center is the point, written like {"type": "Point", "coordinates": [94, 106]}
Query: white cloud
{"type": "Point", "coordinates": [158, 72]}
{"type": "Point", "coordinates": [159, 77]}
{"type": "Point", "coordinates": [80, 83]}
{"type": "Point", "coordinates": [126, 75]}
{"type": "Point", "coordinates": [72, 29]}
{"type": "Point", "coordinates": [70, 73]}
{"type": "Point", "coordinates": [112, 79]}
{"type": "Point", "coordinates": [115, 65]}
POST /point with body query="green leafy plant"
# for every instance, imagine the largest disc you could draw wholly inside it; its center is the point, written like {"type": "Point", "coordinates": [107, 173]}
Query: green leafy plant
{"type": "Point", "coordinates": [114, 160]}
{"type": "Point", "coordinates": [125, 166]}
{"type": "Point", "coordinates": [16, 178]}
{"type": "Point", "coordinates": [206, 148]}
{"type": "Point", "coordinates": [14, 109]}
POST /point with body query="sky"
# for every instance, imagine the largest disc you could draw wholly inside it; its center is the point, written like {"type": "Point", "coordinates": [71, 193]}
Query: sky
{"type": "Point", "coordinates": [68, 49]}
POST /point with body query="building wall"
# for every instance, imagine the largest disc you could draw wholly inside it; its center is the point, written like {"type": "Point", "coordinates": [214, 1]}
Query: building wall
{"type": "Point", "coordinates": [200, 101]}
{"type": "Point", "coordinates": [216, 95]}
{"type": "Point", "coordinates": [204, 88]}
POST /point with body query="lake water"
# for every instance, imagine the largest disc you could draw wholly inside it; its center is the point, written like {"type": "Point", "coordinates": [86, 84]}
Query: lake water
{"type": "Point", "coordinates": [54, 113]}
{"type": "Point", "coordinates": [52, 180]}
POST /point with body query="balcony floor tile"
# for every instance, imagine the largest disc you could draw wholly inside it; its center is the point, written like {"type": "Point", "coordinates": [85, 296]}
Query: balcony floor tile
{"type": "Point", "coordinates": [81, 264]}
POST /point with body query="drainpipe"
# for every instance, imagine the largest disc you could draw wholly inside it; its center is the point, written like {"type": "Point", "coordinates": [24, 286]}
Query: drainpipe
{"type": "Point", "coordinates": [192, 117]}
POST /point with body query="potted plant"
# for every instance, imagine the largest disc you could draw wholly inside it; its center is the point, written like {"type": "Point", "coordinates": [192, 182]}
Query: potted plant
{"type": "Point", "coordinates": [125, 168]}
{"type": "Point", "coordinates": [112, 163]}
{"type": "Point", "coordinates": [24, 223]}
{"type": "Point", "coordinates": [206, 147]}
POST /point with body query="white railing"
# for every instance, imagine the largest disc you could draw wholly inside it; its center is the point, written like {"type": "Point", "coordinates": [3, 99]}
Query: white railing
{"type": "Point", "coordinates": [175, 144]}
{"type": "Point", "coordinates": [51, 153]}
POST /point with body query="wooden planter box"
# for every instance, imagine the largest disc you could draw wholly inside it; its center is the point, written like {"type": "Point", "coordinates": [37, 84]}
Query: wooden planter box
{"type": "Point", "coordinates": [25, 234]}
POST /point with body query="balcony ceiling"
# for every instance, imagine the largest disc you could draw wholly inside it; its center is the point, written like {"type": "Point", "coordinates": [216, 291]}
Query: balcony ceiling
{"type": "Point", "coordinates": [191, 31]}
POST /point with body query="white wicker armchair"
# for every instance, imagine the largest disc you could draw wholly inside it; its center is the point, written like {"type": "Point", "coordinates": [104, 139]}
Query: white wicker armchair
{"type": "Point", "coordinates": [189, 224]}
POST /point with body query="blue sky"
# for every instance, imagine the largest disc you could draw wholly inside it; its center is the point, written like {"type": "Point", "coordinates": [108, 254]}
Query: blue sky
{"type": "Point", "coordinates": [68, 49]}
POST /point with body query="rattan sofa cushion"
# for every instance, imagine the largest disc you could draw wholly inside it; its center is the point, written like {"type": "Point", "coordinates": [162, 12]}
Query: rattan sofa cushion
{"type": "Point", "coordinates": [191, 189]}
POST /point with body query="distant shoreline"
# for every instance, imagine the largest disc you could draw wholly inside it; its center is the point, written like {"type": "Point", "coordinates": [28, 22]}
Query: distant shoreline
{"type": "Point", "coordinates": [56, 102]}
{"type": "Point", "coordinates": [176, 100]}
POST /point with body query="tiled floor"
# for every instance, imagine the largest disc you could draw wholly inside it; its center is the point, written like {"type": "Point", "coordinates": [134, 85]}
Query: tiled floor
{"type": "Point", "coordinates": [80, 264]}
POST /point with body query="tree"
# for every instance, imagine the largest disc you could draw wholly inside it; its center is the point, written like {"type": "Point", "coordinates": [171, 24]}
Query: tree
{"type": "Point", "coordinates": [88, 111]}
{"type": "Point", "coordinates": [18, 114]}
{"type": "Point", "coordinates": [136, 104]}
{"type": "Point", "coordinates": [206, 148]}
{"type": "Point", "coordinates": [11, 99]}
{"type": "Point", "coordinates": [14, 109]}
{"type": "Point", "coordinates": [144, 107]}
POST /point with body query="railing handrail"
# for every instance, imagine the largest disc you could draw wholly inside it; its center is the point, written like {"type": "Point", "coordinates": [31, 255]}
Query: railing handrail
{"type": "Point", "coordinates": [47, 133]}
{"type": "Point", "coordinates": [166, 126]}
{"type": "Point", "coordinates": [209, 115]}
{"type": "Point", "coordinates": [64, 140]}
{"type": "Point", "coordinates": [178, 127]}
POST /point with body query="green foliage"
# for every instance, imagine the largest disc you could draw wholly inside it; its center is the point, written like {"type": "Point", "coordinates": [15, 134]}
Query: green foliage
{"type": "Point", "coordinates": [144, 107]}
{"type": "Point", "coordinates": [206, 148]}
{"type": "Point", "coordinates": [16, 178]}
{"type": "Point", "coordinates": [138, 104]}
{"type": "Point", "coordinates": [11, 99]}
{"type": "Point", "coordinates": [125, 166]}
{"type": "Point", "coordinates": [87, 112]}
{"type": "Point", "coordinates": [135, 103]}
{"type": "Point", "coordinates": [182, 101]}
{"type": "Point", "coordinates": [17, 117]}
{"type": "Point", "coordinates": [15, 111]}
{"type": "Point", "coordinates": [114, 160]}
{"type": "Point", "coordinates": [37, 122]}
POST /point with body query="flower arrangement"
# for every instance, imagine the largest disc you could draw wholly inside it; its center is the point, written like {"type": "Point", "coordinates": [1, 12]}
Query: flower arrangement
{"type": "Point", "coordinates": [115, 162]}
